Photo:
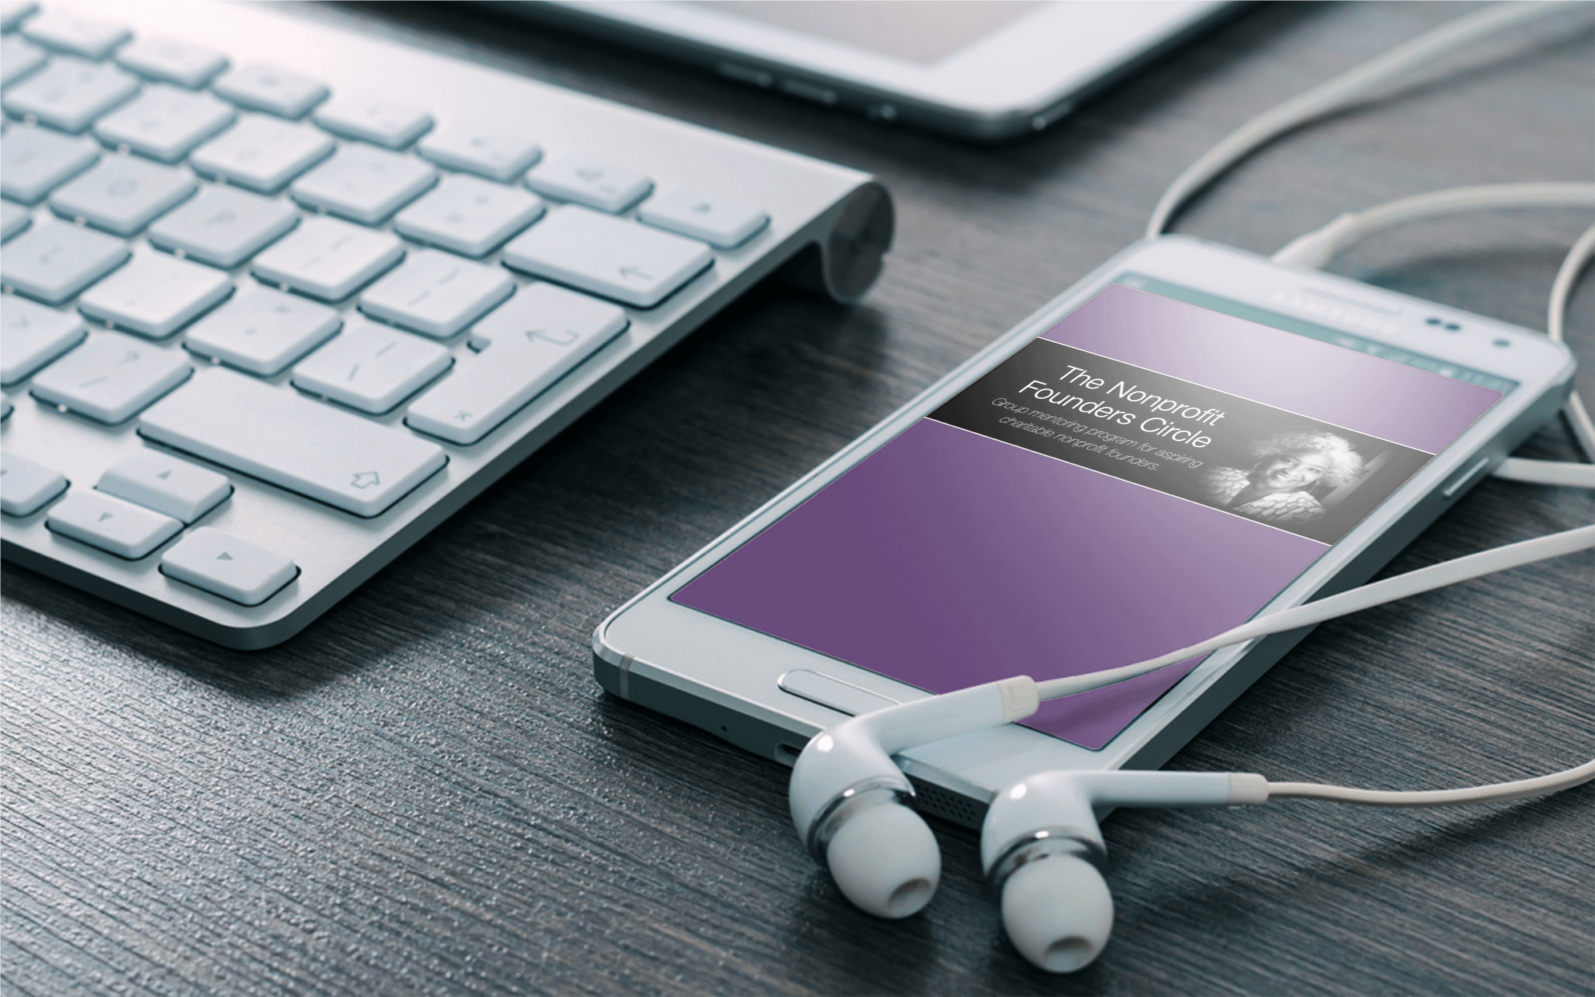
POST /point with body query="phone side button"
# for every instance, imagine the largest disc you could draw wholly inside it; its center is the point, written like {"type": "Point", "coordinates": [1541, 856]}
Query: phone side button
{"type": "Point", "coordinates": [832, 693]}
{"type": "Point", "coordinates": [1465, 479]}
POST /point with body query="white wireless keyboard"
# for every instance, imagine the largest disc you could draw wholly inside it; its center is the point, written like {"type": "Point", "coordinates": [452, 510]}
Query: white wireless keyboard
{"type": "Point", "coordinates": [279, 298]}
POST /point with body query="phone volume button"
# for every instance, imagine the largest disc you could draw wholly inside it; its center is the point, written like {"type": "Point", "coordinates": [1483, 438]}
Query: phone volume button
{"type": "Point", "coordinates": [745, 74]}
{"type": "Point", "coordinates": [809, 91]}
{"type": "Point", "coordinates": [1467, 477]}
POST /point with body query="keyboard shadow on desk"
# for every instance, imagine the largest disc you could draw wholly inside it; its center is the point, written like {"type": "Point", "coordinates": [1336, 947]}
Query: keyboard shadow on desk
{"type": "Point", "coordinates": [341, 643]}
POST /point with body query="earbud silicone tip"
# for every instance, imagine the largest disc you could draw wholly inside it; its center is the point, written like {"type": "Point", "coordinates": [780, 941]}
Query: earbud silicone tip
{"type": "Point", "coordinates": [1058, 912]}
{"type": "Point", "coordinates": [886, 861]}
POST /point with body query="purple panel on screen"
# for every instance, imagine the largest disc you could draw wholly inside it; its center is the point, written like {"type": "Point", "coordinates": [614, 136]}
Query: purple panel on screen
{"type": "Point", "coordinates": [948, 559]}
{"type": "Point", "coordinates": [1371, 395]}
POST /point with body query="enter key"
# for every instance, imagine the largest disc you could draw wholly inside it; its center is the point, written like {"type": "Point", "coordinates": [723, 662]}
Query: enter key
{"type": "Point", "coordinates": [541, 335]}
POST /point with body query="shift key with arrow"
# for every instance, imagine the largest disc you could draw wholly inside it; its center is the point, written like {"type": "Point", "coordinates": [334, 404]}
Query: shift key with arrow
{"type": "Point", "coordinates": [614, 257]}
{"type": "Point", "coordinates": [301, 445]}
{"type": "Point", "coordinates": [541, 335]}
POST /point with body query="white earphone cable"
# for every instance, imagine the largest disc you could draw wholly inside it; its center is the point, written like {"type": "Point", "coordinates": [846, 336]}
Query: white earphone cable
{"type": "Point", "coordinates": [1317, 248]}
{"type": "Point", "coordinates": [1413, 582]}
{"type": "Point", "coordinates": [1336, 94]}
{"type": "Point", "coordinates": [1555, 321]}
{"type": "Point", "coordinates": [1521, 789]}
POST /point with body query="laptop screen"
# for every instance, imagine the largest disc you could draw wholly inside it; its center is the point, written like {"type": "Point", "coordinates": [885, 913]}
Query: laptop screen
{"type": "Point", "coordinates": [922, 31]}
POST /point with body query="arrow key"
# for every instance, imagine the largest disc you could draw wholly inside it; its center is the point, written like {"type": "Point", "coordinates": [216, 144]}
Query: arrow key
{"type": "Point", "coordinates": [164, 483]}
{"type": "Point", "coordinates": [226, 566]}
{"type": "Point", "coordinates": [111, 524]}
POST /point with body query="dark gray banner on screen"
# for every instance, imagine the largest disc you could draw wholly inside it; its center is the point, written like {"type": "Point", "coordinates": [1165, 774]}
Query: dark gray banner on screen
{"type": "Point", "coordinates": [1308, 477]}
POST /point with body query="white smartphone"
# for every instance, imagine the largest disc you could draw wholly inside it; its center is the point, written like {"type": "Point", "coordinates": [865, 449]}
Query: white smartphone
{"type": "Point", "coordinates": [1189, 437]}
{"type": "Point", "coordinates": [985, 70]}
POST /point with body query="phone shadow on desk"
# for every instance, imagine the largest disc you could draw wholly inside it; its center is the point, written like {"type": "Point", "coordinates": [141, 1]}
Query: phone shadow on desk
{"type": "Point", "coordinates": [1166, 895]}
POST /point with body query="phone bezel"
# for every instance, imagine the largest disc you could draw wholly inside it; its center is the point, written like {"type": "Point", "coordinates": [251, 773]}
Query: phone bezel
{"type": "Point", "coordinates": [735, 668]}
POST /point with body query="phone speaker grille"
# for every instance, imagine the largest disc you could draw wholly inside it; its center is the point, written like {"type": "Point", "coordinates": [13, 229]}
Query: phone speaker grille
{"type": "Point", "coordinates": [947, 805]}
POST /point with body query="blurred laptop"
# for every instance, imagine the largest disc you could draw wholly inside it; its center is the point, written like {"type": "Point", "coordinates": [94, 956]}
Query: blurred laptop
{"type": "Point", "coordinates": [985, 71]}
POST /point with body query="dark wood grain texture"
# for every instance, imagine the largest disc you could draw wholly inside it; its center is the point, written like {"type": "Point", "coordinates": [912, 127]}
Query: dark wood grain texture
{"type": "Point", "coordinates": [426, 792]}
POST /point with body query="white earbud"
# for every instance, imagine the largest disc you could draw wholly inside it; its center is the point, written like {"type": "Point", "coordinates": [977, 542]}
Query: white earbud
{"type": "Point", "coordinates": [848, 797]}
{"type": "Point", "coordinates": [1041, 846]}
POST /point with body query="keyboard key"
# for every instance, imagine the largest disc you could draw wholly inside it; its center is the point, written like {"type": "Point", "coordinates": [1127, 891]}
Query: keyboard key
{"type": "Point", "coordinates": [468, 215]}
{"type": "Point", "coordinates": [171, 61]}
{"type": "Point", "coordinates": [13, 219]}
{"type": "Point", "coordinates": [589, 181]}
{"type": "Point", "coordinates": [224, 227]}
{"type": "Point", "coordinates": [111, 377]}
{"type": "Point", "coordinates": [536, 339]}
{"type": "Point", "coordinates": [111, 524]}
{"type": "Point", "coordinates": [276, 91]}
{"type": "Point", "coordinates": [364, 184]}
{"type": "Point", "coordinates": [165, 123]}
{"type": "Point", "coordinates": [123, 194]}
{"type": "Point", "coordinates": [13, 11]}
{"type": "Point", "coordinates": [436, 293]}
{"type": "Point", "coordinates": [86, 36]}
{"type": "Point", "coordinates": [546, 310]}
{"type": "Point", "coordinates": [501, 156]}
{"type": "Point", "coordinates": [54, 261]}
{"type": "Point", "coordinates": [355, 465]}
{"type": "Point", "coordinates": [18, 59]}
{"type": "Point", "coordinates": [328, 259]}
{"type": "Point", "coordinates": [371, 368]}
{"type": "Point", "coordinates": [156, 295]}
{"type": "Point", "coordinates": [613, 257]}
{"type": "Point", "coordinates": [262, 153]}
{"type": "Point", "coordinates": [33, 161]}
{"type": "Point", "coordinates": [372, 119]}
{"type": "Point", "coordinates": [33, 336]}
{"type": "Point", "coordinates": [26, 487]}
{"type": "Point", "coordinates": [165, 484]}
{"type": "Point", "coordinates": [226, 566]}
{"type": "Point", "coordinates": [718, 221]}
{"type": "Point", "coordinates": [69, 94]}
{"type": "Point", "coordinates": [263, 331]}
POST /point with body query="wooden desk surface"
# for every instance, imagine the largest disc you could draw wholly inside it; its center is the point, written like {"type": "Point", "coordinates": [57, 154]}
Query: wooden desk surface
{"type": "Point", "coordinates": [427, 793]}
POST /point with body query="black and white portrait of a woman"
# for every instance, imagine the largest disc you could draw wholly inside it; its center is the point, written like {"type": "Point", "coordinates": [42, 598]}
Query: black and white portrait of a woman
{"type": "Point", "coordinates": [1282, 485]}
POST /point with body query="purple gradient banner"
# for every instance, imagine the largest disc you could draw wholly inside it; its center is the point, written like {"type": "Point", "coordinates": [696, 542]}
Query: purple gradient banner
{"type": "Point", "coordinates": [947, 558]}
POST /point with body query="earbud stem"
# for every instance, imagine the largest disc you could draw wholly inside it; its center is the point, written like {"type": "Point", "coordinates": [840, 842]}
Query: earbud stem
{"type": "Point", "coordinates": [923, 721]}
{"type": "Point", "coordinates": [857, 753]}
{"type": "Point", "coordinates": [1173, 789]}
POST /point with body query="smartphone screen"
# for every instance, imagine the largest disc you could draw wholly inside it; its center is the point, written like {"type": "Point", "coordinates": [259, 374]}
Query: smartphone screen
{"type": "Point", "coordinates": [1150, 471]}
